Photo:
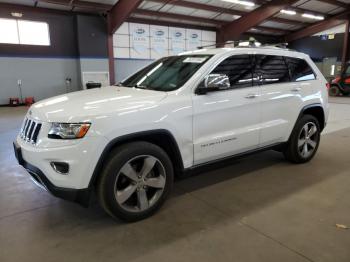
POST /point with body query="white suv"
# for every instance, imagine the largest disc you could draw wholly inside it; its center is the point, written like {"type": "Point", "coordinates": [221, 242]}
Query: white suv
{"type": "Point", "coordinates": [129, 141]}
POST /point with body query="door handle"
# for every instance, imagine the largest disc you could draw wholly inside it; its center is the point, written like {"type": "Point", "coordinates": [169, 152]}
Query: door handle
{"type": "Point", "coordinates": [250, 96]}
{"type": "Point", "coordinates": [296, 89]}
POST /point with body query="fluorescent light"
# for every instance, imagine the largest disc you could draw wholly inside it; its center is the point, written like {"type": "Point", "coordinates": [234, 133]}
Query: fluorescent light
{"type": "Point", "coordinates": [311, 16]}
{"type": "Point", "coordinates": [15, 14]}
{"type": "Point", "coordinates": [332, 70]}
{"type": "Point", "coordinates": [288, 12]}
{"type": "Point", "coordinates": [240, 2]}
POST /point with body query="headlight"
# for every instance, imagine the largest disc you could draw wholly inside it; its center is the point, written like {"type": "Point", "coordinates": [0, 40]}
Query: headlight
{"type": "Point", "coordinates": [68, 131]}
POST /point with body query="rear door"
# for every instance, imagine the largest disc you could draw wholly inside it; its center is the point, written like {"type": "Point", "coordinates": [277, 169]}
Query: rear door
{"type": "Point", "coordinates": [284, 84]}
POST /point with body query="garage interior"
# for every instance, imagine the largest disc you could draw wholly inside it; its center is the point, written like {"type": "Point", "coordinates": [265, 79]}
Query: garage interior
{"type": "Point", "coordinates": [255, 208]}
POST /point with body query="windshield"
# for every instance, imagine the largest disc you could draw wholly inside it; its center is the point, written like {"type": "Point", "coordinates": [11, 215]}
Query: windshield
{"type": "Point", "coordinates": [166, 74]}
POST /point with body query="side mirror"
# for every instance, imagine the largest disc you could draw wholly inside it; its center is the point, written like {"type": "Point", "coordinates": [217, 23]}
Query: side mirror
{"type": "Point", "coordinates": [213, 82]}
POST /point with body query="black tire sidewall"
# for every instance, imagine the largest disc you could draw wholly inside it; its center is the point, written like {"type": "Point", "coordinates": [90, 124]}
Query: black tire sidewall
{"type": "Point", "coordinates": [293, 153]}
{"type": "Point", "coordinates": [334, 91]}
{"type": "Point", "coordinates": [118, 158]}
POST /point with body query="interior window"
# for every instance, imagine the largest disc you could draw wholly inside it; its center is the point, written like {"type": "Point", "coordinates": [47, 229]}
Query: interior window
{"type": "Point", "coordinates": [8, 31]}
{"type": "Point", "coordinates": [270, 69]}
{"type": "Point", "coordinates": [238, 68]}
{"type": "Point", "coordinates": [299, 69]}
{"type": "Point", "coordinates": [22, 32]}
{"type": "Point", "coordinates": [33, 33]}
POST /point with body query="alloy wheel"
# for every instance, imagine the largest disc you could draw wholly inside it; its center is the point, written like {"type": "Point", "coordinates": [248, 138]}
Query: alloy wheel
{"type": "Point", "coordinates": [308, 139]}
{"type": "Point", "coordinates": [140, 183]}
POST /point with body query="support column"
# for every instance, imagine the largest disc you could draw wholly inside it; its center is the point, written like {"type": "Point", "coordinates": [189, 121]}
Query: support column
{"type": "Point", "coordinates": [220, 38]}
{"type": "Point", "coordinates": [345, 53]}
{"type": "Point", "coordinates": [110, 52]}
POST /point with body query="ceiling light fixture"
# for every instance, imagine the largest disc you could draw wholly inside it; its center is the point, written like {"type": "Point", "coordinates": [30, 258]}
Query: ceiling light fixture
{"type": "Point", "coordinates": [288, 12]}
{"type": "Point", "coordinates": [15, 14]}
{"type": "Point", "coordinates": [240, 2]}
{"type": "Point", "coordinates": [311, 16]}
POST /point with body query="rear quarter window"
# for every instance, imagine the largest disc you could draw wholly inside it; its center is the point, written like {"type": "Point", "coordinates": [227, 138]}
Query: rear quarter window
{"type": "Point", "coordinates": [270, 69]}
{"type": "Point", "coordinates": [299, 69]}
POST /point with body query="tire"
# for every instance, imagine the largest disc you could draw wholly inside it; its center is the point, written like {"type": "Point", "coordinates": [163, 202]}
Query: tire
{"type": "Point", "coordinates": [135, 181]}
{"type": "Point", "coordinates": [334, 90]}
{"type": "Point", "coordinates": [301, 148]}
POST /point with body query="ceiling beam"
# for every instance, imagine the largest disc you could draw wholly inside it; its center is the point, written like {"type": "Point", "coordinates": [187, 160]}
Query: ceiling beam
{"type": "Point", "coordinates": [85, 4]}
{"type": "Point", "coordinates": [212, 8]}
{"type": "Point", "coordinates": [336, 3]}
{"type": "Point", "coordinates": [319, 27]}
{"type": "Point", "coordinates": [6, 9]}
{"type": "Point", "coordinates": [216, 23]}
{"type": "Point", "coordinates": [233, 30]}
{"type": "Point", "coordinates": [272, 30]}
{"type": "Point", "coordinates": [120, 12]}
{"type": "Point", "coordinates": [79, 4]}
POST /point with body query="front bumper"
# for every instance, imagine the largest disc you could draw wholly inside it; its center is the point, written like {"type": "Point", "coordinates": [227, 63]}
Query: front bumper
{"type": "Point", "coordinates": [81, 196]}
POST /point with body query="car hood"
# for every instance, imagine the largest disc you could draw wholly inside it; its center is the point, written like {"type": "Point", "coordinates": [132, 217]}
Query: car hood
{"type": "Point", "coordinates": [84, 105]}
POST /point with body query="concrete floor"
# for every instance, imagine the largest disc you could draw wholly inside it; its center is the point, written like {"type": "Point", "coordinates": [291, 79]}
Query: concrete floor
{"type": "Point", "coordinates": [259, 208]}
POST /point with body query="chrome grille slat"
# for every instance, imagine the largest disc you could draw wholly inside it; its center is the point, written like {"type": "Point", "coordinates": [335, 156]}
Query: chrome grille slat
{"type": "Point", "coordinates": [27, 128]}
{"type": "Point", "coordinates": [36, 133]}
{"type": "Point", "coordinates": [23, 127]}
{"type": "Point", "coordinates": [30, 131]}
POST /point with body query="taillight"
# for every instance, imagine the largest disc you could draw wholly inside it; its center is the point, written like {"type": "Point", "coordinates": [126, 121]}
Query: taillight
{"type": "Point", "coordinates": [328, 85]}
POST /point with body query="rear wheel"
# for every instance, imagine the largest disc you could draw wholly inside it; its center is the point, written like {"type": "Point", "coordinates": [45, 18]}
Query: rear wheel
{"type": "Point", "coordinates": [334, 90]}
{"type": "Point", "coordinates": [304, 140]}
{"type": "Point", "coordinates": [135, 182]}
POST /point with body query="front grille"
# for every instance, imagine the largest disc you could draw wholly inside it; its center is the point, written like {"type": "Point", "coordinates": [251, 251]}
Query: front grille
{"type": "Point", "coordinates": [30, 131]}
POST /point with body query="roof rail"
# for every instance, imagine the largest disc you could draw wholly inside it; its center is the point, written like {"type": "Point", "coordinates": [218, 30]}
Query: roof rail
{"type": "Point", "coordinates": [279, 45]}
{"type": "Point", "coordinates": [251, 42]}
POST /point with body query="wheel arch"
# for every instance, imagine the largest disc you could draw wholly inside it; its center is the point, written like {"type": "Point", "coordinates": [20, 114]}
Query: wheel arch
{"type": "Point", "coordinates": [315, 110]}
{"type": "Point", "coordinates": [160, 137]}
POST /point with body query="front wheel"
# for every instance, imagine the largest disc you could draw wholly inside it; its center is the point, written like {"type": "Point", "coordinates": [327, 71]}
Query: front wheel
{"type": "Point", "coordinates": [304, 140]}
{"type": "Point", "coordinates": [135, 181]}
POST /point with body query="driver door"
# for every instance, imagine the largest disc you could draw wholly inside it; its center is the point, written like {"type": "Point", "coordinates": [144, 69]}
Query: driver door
{"type": "Point", "coordinates": [227, 121]}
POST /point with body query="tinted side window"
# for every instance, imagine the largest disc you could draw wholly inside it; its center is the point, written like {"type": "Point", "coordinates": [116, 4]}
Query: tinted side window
{"type": "Point", "coordinates": [299, 69]}
{"type": "Point", "coordinates": [238, 68]}
{"type": "Point", "coordinates": [270, 69]}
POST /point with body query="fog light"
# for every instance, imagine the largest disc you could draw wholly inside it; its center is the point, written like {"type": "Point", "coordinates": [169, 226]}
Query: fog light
{"type": "Point", "coordinates": [60, 167]}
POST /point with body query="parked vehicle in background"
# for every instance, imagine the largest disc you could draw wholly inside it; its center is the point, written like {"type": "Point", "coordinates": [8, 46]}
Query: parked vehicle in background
{"type": "Point", "coordinates": [341, 84]}
{"type": "Point", "coordinates": [127, 142]}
